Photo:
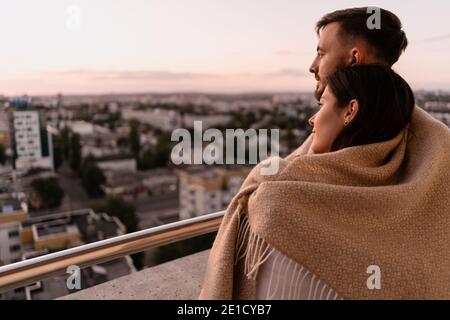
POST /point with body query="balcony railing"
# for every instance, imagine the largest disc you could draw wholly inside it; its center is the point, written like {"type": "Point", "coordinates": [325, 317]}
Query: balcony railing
{"type": "Point", "coordinates": [27, 272]}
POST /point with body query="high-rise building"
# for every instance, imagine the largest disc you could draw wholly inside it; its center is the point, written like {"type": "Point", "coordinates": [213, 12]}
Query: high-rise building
{"type": "Point", "coordinates": [32, 142]}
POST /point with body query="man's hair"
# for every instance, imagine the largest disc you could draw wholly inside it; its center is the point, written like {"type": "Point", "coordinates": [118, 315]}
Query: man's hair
{"type": "Point", "coordinates": [387, 43]}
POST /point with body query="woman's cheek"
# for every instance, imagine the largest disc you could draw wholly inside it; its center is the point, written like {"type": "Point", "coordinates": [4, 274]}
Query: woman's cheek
{"type": "Point", "coordinates": [323, 139]}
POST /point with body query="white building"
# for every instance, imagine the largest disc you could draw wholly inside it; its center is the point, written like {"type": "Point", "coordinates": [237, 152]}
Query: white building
{"type": "Point", "coordinates": [82, 128]}
{"type": "Point", "coordinates": [208, 121]}
{"type": "Point", "coordinates": [13, 210]}
{"type": "Point", "coordinates": [10, 248]}
{"type": "Point", "coordinates": [166, 120]}
{"type": "Point", "coordinates": [206, 190]}
{"type": "Point", "coordinates": [127, 165]}
{"type": "Point", "coordinates": [32, 141]}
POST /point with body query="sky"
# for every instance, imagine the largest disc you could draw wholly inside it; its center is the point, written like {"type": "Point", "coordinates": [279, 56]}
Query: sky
{"type": "Point", "coordinates": [104, 46]}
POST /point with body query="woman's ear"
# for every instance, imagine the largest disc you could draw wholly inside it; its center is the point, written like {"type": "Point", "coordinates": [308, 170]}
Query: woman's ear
{"type": "Point", "coordinates": [351, 111]}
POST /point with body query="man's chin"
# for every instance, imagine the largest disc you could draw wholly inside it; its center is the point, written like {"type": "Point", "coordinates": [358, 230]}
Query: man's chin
{"type": "Point", "coordinates": [319, 91]}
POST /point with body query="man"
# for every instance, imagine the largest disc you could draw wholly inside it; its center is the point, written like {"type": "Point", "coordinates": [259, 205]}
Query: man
{"type": "Point", "coordinates": [346, 39]}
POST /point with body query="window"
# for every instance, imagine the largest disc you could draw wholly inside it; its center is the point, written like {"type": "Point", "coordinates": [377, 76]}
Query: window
{"type": "Point", "coordinates": [14, 248]}
{"type": "Point", "coordinates": [13, 234]}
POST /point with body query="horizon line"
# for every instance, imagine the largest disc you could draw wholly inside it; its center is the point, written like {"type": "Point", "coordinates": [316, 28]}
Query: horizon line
{"type": "Point", "coordinates": [186, 92]}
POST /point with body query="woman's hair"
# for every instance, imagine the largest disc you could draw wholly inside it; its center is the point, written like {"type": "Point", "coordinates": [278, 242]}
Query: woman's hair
{"type": "Point", "coordinates": [385, 100]}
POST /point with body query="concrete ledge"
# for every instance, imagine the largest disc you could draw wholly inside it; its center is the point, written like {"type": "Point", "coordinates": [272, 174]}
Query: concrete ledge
{"type": "Point", "coordinates": [174, 280]}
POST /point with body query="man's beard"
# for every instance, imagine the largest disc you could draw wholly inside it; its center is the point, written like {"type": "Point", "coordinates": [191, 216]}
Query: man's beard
{"type": "Point", "coordinates": [320, 88]}
{"type": "Point", "coordinates": [322, 81]}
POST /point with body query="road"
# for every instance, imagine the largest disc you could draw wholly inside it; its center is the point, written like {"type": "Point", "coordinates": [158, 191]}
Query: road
{"type": "Point", "coordinates": [149, 209]}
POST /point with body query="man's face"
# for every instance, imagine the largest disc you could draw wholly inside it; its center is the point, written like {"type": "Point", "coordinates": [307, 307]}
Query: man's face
{"type": "Point", "coordinates": [332, 54]}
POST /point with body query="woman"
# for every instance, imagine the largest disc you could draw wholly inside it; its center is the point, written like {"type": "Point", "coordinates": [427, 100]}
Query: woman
{"type": "Point", "coordinates": [359, 211]}
{"type": "Point", "coordinates": [361, 105]}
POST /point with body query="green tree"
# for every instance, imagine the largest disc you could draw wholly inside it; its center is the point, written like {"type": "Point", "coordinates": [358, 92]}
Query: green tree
{"type": "Point", "coordinates": [122, 142]}
{"type": "Point", "coordinates": [92, 178]}
{"type": "Point", "coordinates": [65, 141]}
{"type": "Point", "coordinates": [49, 191]}
{"type": "Point", "coordinates": [126, 213]}
{"type": "Point", "coordinates": [58, 151]}
{"type": "Point", "coordinates": [75, 152]}
{"type": "Point", "coordinates": [2, 154]}
{"type": "Point", "coordinates": [147, 160]}
{"type": "Point", "coordinates": [157, 156]}
{"type": "Point", "coordinates": [162, 150]}
{"type": "Point", "coordinates": [134, 139]}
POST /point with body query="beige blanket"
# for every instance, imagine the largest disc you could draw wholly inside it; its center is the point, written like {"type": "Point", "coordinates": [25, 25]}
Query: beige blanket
{"type": "Point", "coordinates": [337, 214]}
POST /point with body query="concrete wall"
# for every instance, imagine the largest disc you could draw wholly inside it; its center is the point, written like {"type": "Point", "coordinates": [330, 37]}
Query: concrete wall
{"type": "Point", "coordinates": [175, 280]}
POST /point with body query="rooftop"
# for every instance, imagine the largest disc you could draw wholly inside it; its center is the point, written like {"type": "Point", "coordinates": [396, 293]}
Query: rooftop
{"type": "Point", "coordinates": [9, 205]}
{"type": "Point", "coordinates": [179, 279]}
{"type": "Point", "coordinates": [55, 287]}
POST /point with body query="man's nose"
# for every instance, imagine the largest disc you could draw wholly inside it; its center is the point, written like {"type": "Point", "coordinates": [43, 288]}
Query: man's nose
{"type": "Point", "coordinates": [313, 67]}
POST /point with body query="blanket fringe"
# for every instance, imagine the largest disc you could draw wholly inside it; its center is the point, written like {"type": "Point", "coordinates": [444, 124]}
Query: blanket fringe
{"type": "Point", "coordinates": [250, 246]}
{"type": "Point", "coordinates": [256, 251]}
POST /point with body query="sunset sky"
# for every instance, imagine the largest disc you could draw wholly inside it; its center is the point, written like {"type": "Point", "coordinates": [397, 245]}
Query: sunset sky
{"type": "Point", "coordinates": [193, 45]}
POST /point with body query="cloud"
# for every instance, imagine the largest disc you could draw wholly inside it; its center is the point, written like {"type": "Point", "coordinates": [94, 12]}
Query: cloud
{"type": "Point", "coordinates": [124, 75]}
{"type": "Point", "coordinates": [291, 53]}
{"type": "Point", "coordinates": [438, 38]}
{"type": "Point", "coordinates": [284, 53]}
{"type": "Point", "coordinates": [164, 75]}
{"type": "Point", "coordinates": [289, 72]}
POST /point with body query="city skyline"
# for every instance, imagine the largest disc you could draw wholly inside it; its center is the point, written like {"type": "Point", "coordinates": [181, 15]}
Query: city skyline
{"type": "Point", "coordinates": [232, 47]}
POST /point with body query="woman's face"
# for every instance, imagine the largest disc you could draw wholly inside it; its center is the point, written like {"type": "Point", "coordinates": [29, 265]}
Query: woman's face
{"type": "Point", "coordinates": [328, 122]}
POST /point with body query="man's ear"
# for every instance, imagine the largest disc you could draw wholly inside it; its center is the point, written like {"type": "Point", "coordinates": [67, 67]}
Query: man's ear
{"type": "Point", "coordinates": [356, 57]}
